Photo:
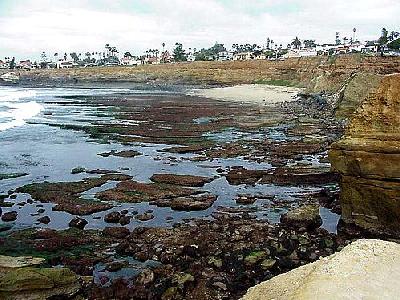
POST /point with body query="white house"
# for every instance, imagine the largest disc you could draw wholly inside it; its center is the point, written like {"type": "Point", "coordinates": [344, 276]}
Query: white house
{"type": "Point", "coordinates": [225, 55]}
{"type": "Point", "coordinates": [295, 53]}
{"type": "Point", "coordinates": [243, 56]}
{"type": "Point", "coordinates": [64, 64]}
{"type": "Point", "coordinates": [130, 61]}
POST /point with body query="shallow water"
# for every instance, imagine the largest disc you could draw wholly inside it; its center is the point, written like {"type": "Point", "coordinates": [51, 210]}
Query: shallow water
{"type": "Point", "coordinates": [48, 153]}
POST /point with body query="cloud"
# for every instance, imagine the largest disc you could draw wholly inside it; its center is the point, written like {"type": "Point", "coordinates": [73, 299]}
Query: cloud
{"type": "Point", "coordinates": [28, 27]}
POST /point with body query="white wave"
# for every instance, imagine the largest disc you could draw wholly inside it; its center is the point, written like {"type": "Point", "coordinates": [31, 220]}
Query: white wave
{"type": "Point", "coordinates": [12, 95]}
{"type": "Point", "coordinates": [18, 113]}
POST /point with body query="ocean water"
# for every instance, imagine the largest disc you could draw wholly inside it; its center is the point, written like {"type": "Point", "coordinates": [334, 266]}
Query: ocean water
{"type": "Point", "coordinates": [48, 153]}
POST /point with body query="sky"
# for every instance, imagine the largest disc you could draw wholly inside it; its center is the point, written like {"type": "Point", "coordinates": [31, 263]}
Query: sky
{"type": "Point", "coordinates": [28, 27]}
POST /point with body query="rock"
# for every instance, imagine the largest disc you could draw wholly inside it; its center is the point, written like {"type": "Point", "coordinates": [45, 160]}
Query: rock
{"type": "Point", "coordinates": [44, 220]}
{"type": "Point", "coordinates": [116, 232]}
{"type": "Point", "coordinates": [19, 261]}
{"type": "Point", "coordinates": [5, 227]}
{"type": "Point", "coordinates": [78, 170]}
{"type": "Point", "coordinates": [368, 158]}
{"type": "Point", "coordinates": [267, 264]}
{"type": "Point", "coordinates": [112, 217]}
{"type": "Point", "coordinates": [116, 266]}
{"type": "Point", "coordinates": [12, 175]}
{"type": "Point", "coordinates": [304, 216]}
{"type": "Point", "coordinates": [368, 268]}
{"type": "Point", "coordinates": [198, 202]}
{"type": "Point", "coordinates": [9, 216]}
{"type": "Point", "coordinates": [146, 277]}
{"type": "Point", "coordinates": [182, 278]}
{"type": "Point", "coordinates": [255, 257]}
{"type": "Point", "coordinates": [78, 223]}
{"type": "Point", "coordinates": [216, 262]}
{"type": "Point", "coordinates": [183, 180]}
{"type": "Point", "coordinates": [144, 217]}
{"type": "Point", "coordinates": [245, 199]}
{"type": "Point", "coordinates": [125, 220]}
{"type": "Point", "coordinates": [38, 283]}
{"type": "Point", "coordinates": [41, 210]}
{"type": "Point", "coordinates": [126, 153]}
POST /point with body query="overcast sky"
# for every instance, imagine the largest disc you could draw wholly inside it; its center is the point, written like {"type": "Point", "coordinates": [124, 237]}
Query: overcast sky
{"type": "Point", "coordinates": [28, 27]}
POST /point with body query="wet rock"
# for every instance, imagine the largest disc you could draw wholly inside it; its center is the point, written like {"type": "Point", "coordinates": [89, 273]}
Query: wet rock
{"type": "Point", "coordinates": [44, 220]}
{"type": "Point", "coordinates": [116, 232]}
{"type": "Point", "coordinates": [9, 216]}
{"type": "Point", "coordinates": [267, 264]}
{"type": "Point", "coordinates": [255, 257]}
{"type": "Point", "coordinates": [116, 266]}
{"type": "Point", "coordinates": [112, 217]}
{"type": "Point", "coordinates": [12, 175]}
{"type": "Point", "coordinates": [38, 283]}
{"type": "Point", "coordinates": [66, 195]}
{"type": "Point", "coordinates": [199, 202]}
{"type": "Point", "coordinates": [19, 261]}
{"type": "Point", "coordinates": [135, 192]}
{"type": "Point", "coordinates": [126, 153]}
{"type": "Point", "coordinates": [245, 199]}
{"type": "Point", "coordinates": [146, 277]}
{"type": "Point", "coordinates": [101, 172]}
{"type": "Point", "coordinates": [78, 223]}
{"type": "Point", "coordinates": [5, 227]}
{"type": "Point", "coordinates": [125, 220]}
{"type": "Point", "coordinates": [144, 217]}
{"type": "Point", "coordinates": [183, 180]}
{"type": "Point", "coordinates": [41, 210]}
{"type": "Point", "coordinates": [304, 216]}
{"type": "Point", "coordinates": [78, 170]}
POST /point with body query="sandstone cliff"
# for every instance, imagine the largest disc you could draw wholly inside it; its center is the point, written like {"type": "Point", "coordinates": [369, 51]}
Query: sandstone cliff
{"type": "Point", "coordinates": [365, 269]}
{"type": "Point", "coordinates": [368, 157]}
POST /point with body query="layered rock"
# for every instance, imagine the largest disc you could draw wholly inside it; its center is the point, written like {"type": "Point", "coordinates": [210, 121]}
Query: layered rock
{"type": "Point", "coordinates": [368, 158]}
{"type": "Point", "coordinates": [365, 269]}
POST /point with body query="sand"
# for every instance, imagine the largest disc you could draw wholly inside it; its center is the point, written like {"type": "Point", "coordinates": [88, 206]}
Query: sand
{"type": "Point", "coordinates": [260, 94]}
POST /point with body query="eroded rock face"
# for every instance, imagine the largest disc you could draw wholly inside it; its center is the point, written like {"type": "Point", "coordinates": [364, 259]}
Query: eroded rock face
{"type": "Point", "coordinates": [368, 158]}
{"type": "Point", "coordinates": [367, 268]}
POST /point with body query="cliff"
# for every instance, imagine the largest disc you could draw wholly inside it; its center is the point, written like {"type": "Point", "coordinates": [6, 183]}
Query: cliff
{"type": "Point", "coordinates": [368, 158]}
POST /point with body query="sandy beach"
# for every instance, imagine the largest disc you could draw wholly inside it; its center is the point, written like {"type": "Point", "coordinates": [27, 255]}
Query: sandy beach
{"type": "Point", "coordinates": [251, 93]}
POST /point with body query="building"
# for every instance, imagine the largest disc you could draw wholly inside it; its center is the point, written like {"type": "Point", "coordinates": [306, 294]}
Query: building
{"type": "Point", "coordinates": [130, 61]}
{"type": "Point", "coordinates": [296, 53]}
{"type": "Point", "coordinates": [4, 65]}
{"type": "Point", "coordinates": [25, 65]}
{"type": "Point", "coordinates": [225, 55]}
{"type": "Point", "coordinates": [242, 55]}
{"type": "Point", "coordinates": [64, 64]}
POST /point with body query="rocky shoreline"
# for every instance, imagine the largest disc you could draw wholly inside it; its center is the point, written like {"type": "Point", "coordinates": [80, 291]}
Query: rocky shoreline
{"type": "Point", "coordinates": [232, 246]}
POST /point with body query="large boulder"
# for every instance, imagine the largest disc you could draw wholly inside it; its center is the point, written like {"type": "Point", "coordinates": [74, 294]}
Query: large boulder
{"type": "Point", "coordinates": [368, 158]}
{"type": "Point", "coordinates": [20, 279]}
{"type": "Point", "coordinates": [365, 269]}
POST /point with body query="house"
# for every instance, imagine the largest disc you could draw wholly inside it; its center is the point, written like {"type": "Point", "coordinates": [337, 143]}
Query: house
{"type": "Point", "coordinates": [166, 57]}
{"type": "Point", "coordinates": [242, 55]}
{"type": "Point", "coordinates": [152, 60]}
{"type": "Point", "coordinates": [225, 55]}
{"type": "Point", "coordinates": [296, 53]}
{"type": "Point", "coordinates": [4, 65]}
{"type": "Point", "coordinates": [130, 61]}
{"type": "Point", "coordinates": [25, 65]}
{"type": "Point", "coordinates": [64, 64]}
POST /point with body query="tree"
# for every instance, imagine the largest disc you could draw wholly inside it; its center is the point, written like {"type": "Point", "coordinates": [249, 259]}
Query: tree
{"type": "Point", "coordinates": [74, 56]}
{"type": "Point", "coordinates": [384, 37]}
{"type": "Point", "coordinates": [178, 53]}
{"type": "Point", "coordinates": [309, 43]}
{"type": "Point", "coordinates": [296, 43]}
{"type": "Point", "coordinates": [127, 54]}
{"type": "Point", "coordinates": [12, 64]}
{"type": "Point", "coordinates": [337, 38]}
